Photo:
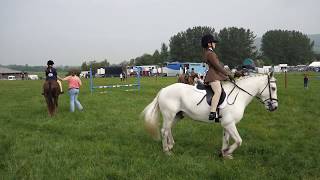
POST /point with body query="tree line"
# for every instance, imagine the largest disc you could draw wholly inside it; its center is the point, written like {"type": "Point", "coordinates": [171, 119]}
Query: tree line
{"type": "Point", "coordinates": [236, 44]}
{"type": "Point", "coordinates": [28, 68]}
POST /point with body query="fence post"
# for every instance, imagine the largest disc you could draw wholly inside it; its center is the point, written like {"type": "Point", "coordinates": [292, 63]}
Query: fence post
{"type": "Point", "coordinates": [285, 80]}
{"type": "Point", "coordinates": [91, 81]}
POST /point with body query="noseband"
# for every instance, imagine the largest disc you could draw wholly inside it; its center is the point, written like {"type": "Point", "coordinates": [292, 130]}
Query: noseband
{"type": "Point", "coordinates": [270, 99]}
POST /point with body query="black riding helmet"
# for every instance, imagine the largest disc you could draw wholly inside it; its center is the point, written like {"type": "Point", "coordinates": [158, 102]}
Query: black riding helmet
{"type": "Point", "coordinates": [208, 39]}
{"type": "Point", "coordinates": [50, 62]}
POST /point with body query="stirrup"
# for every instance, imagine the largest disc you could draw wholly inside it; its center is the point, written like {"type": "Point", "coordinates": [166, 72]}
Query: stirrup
{"type": "Point", "coordinates": [214, 116]}
{"type": "Point", "coordinates": [217, 119]}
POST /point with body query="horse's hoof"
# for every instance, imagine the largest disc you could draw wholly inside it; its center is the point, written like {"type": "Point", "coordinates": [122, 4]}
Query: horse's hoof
{"type": "Point", "coordinates": [223, 152]}
{"type": "Point", "coordinates": [169, 153]}
{"type": "Point", "coordinates": [228, 156]}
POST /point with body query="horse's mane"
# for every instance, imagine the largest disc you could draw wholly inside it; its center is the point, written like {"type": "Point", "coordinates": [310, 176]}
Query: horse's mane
{"type": "Point", "coordinates": [248, 76]}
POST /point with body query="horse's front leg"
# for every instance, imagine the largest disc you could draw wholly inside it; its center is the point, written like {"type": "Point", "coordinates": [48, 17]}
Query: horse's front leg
{"type": "Point", "coordinates": [225, 142]}
{"type": "Point", "coordinates": [231, 129]}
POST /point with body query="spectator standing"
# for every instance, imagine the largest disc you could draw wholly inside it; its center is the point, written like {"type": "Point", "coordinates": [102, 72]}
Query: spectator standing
{"type": "Point", "coordinates": [305, 81]}
{"type": "Point", "coordinates": [121, 76]}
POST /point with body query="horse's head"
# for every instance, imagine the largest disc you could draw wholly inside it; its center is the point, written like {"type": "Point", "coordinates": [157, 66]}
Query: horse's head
{"type": "Point", "coordinates": [194, 75]}
{"type": "Point", "coordinates": [268, 93]}
{"type": "Point", "coordinates": [193, 78]}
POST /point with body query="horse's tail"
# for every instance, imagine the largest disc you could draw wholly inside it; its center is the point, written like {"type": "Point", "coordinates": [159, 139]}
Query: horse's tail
{"type": "Point", "coordinates": [50, 99]}
{"type": "Point", "coordinates": [150, 114]}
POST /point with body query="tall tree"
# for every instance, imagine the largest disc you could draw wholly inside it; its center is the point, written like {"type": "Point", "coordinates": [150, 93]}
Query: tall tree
{"type": "Point", "coordinates": [156, 58]}
{"type": "Point", "coordinates": [186, 45]}
{"type": "Point", "coordinates": [105, 63]}
{"type": "Point", "coordinates": [84, 66]}
{"type": "Point", "coordinates": [144, 60]}
{"type": "Point", "coordinates": [290, 47]}
{"type": "Point", "coordinates": [164, 53]}
{"type": "Point", "coordinates": [236, 44]}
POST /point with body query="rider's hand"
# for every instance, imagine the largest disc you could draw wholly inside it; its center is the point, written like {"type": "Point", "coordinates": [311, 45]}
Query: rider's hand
{"type": "Point", "coordinates": [231, 77]}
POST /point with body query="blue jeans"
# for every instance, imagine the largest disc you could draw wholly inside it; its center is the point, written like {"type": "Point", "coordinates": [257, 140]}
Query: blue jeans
{"type": "Point", "coordinates": [74, 99]}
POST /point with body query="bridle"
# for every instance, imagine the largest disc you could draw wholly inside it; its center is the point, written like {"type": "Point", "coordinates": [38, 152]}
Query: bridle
{"type": "Point", "coordinates": [270, 99]}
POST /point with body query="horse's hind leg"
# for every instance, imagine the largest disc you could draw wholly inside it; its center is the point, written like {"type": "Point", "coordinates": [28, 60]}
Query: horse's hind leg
{"type": "Point", "coordinates": [52, 107]}
{"type": "Point", "coordinates": [48, 106]}
{"type": "Point", "coordinates": [56, 103]}
{"type": "Point", "coordinates": [170, 138]}
{"type": "Point", "coordinates": [171, 142]}
{"type": "Point", "coordinates": [167, 139]}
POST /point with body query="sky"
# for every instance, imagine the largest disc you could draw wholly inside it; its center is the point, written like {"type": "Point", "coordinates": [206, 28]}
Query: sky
{"type": "Point", "coordinates": [71, 32]}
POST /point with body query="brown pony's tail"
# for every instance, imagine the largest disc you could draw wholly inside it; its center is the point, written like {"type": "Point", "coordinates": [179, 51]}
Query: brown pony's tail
{"type": "Point", "coordinates": [50, 99]}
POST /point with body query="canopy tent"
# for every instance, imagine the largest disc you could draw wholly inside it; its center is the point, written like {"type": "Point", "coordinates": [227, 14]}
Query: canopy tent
{"type": "Point", "coordinates": [248, 64]}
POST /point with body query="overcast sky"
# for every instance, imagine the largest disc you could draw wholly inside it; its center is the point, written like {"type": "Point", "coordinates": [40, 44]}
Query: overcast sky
{"type": "Point", "coordinates": [73, 31]}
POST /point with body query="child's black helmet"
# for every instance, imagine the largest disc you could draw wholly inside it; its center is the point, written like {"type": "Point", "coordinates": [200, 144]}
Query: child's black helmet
{"type": "Point", "coordinates": [208, 39]}
{"type": "Point", "coordinates": [50, 62]}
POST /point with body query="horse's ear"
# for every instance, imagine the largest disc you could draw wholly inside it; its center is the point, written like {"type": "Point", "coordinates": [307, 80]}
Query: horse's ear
{"type": "Point", "coordinates": [271, 74]}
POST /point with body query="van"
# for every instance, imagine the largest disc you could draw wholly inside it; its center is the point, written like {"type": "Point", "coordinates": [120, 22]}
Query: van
{"type": "Point", "coordinates": [12, 78]}
{"type": "Point", "coordinates": [33, 77]}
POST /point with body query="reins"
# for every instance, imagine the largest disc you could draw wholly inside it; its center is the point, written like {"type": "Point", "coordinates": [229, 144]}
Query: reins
{"type": "Point", "coordinates": [258, 97]}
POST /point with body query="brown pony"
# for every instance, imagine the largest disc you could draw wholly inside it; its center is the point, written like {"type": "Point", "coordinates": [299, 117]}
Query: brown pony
{"type": "Point", "coordinates": [239, 73]}
{"type": "Point", "coordinates": [188, 79]}
{"type": "Point", "coordinates": [51, 92]}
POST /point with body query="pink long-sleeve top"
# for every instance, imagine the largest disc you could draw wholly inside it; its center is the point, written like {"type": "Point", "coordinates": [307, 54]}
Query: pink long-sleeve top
{"type": "Point", "coordinates": [73, 81]}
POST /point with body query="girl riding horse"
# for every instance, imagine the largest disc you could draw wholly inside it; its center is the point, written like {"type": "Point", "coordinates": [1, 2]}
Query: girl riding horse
{"type": "Point", "coordinates": [51, 88]}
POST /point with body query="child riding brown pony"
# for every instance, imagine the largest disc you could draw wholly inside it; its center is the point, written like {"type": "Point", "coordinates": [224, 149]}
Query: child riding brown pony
{"type": "Point", "coordinates": [188, 79]}
{"type": "Point", "coordinates": [51, 91]}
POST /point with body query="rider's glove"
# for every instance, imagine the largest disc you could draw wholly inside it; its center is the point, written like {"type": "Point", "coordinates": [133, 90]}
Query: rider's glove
{"type": "Point", "coordinates": [231, 77]}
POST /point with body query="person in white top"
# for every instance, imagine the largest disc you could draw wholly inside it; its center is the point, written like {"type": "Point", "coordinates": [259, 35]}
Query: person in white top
{"type": "Point", "coordinates": [121, 77]}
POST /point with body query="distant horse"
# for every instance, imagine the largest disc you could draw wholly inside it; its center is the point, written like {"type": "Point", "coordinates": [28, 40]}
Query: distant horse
{"type": "Point", "coordinates": [51, 91]}
{"type": "Point", "coordinates": [188, 79]}
{"type": "Point", "coordinates": [240, 73]}
{"type": "Point", "coordinates": [177, 99]}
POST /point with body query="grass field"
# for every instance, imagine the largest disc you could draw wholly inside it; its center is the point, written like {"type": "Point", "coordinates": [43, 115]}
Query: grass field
{"type": "Point", "coordinates": [108, 141]}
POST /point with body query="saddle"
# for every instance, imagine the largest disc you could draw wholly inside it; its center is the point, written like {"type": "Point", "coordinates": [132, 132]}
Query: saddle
{"type": "Point", "coordinates": [210, 93]}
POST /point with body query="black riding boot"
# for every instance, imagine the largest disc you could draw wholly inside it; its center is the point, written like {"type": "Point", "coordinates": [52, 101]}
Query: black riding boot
{"type": "Point", "coordinates": [213, 116]}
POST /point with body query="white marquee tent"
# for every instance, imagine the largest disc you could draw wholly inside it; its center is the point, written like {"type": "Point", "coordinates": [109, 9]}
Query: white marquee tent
{"type": "Point", "coordinates": [315, 64]}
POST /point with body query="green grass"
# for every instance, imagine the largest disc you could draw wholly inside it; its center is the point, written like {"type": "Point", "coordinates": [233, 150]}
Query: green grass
{"type": "Point", "coordinates": [107, 140]}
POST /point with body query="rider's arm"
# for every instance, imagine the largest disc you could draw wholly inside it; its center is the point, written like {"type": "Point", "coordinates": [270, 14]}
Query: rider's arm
{"type": "Point", "coordinates": [213, 59]}
{"type": "Point", "coordinates": [54, 72]}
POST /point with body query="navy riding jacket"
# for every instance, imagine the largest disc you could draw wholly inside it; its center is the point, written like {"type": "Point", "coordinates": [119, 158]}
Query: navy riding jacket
{"type": "Point", "coordinates": [51, 73]}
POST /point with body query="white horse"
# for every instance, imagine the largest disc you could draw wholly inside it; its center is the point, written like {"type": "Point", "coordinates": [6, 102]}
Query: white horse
{"type": "Point", "coordinates": [179, 98]}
